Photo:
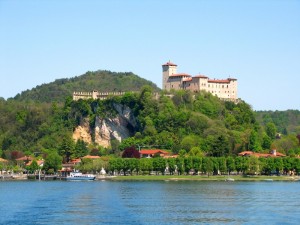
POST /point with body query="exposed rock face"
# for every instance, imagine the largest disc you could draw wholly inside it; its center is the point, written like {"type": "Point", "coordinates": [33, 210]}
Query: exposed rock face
{"type": "Point", "coordinates": [107, 129]}
{"type": "Point", "coordinates": [83, 132]}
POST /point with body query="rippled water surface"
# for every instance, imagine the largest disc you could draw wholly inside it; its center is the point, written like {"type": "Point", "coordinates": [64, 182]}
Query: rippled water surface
{"type": "Point", "coordinates": [149, 202]}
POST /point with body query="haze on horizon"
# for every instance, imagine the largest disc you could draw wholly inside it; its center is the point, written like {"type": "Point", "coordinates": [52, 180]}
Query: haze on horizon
{"type": "Point", "coordinates": [256, 42]}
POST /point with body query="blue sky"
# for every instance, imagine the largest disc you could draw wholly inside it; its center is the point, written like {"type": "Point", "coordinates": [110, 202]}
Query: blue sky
{"type": "Point", "coordinates": [257, 42]}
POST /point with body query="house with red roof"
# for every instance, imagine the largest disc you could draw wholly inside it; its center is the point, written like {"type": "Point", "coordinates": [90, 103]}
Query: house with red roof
{"type": "Point", "coordinates": [39, 162]}
{"type": "Point", "coordinates": [150, 153]}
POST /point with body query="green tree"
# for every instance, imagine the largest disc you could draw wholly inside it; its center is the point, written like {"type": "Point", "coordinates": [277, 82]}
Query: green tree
{"type": "Point", "coordinates": [80, 149]}
{"type": "Point", "coordinates": [230, 164]}
{"type": "Point", "coordinates": [239, 164]}
{"type": "Point", "coordinates": [197, 163]}
{"type": "Point", "coordinates": [253, 141]}
{"type": "Point", "coordinates": [271, 130]}
{"type": "Point", "coordinates": [53, 161]}
{"type": "Point", "coordinates": [66, 148]}
{"type": "Point", "coordinates": [146, 165]}
{"type": "Point", "coordinates": [33, 167]}
{"type": "Point", "coordinates": [207, 165]}
{"type": "Point", "coordinates": [222, 165]}
{"type": "Point", "coordinates": [180, 165]}
{"type": "Point", "coordinates": [267, 141]}
{"type": "Point", "coordinates": [159, 165]}
{"type": "Point", "coordinates": [188, 164]}
{"type": "Point", "coordinates": [133, 165]}
{"type": "Point", "coordinates": [171, 164]}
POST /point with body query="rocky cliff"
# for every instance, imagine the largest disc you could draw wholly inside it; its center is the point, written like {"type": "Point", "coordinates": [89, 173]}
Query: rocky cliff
{"type": "Point", "coordinates": [107, 129]}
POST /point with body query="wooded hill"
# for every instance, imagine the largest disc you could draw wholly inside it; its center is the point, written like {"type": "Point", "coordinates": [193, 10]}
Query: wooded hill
{"type": "Point", "coordinates": [102, 80]}
{"type": "Point", "coordinates": [43, 120]}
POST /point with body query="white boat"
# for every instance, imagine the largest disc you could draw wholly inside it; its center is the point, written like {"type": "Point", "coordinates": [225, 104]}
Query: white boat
{"type": "Point", "coordinates": [229, 179]}
{"type": "Point", "coordinates": [80, 176]}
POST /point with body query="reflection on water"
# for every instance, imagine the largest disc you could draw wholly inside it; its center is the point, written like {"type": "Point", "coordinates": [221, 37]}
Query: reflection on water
{"type": "Point", "coordinates": [149, 202]}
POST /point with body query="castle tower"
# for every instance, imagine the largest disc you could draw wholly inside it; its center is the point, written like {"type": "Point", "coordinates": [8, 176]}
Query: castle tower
{"type": "Point", "coordinates": [168, 69]}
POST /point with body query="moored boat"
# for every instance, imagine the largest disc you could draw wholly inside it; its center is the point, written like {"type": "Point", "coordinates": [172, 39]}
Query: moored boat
{"type": "Point", "coordinates": [229, 179]}
{"type": "Point", "coordinates": [80, 176]}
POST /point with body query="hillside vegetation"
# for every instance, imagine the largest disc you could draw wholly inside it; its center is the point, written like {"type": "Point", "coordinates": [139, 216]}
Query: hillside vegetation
{"type": "Point", "coordinates": [285, 121]}
{"type": "Point", "coordinates": [102, 80]}
{"type": "Point", "coordinates": [193, 124]}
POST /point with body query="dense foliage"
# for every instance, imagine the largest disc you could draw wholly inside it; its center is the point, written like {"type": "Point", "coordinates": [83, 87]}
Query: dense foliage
{"type": "Point", "coordinates": [285, 121]}
{"type": "Point", "coordinates": [102, 80]}
{"type": "Point", "coordinates": [188, 124]}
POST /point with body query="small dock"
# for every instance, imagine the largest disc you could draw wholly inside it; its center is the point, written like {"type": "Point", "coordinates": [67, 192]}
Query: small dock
{"type": "Point", "coordinates": [45, 177]}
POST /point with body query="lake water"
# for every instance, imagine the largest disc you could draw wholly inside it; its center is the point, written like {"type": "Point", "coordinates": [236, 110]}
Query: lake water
{"type": "Point", "coordinates": [149, 202]}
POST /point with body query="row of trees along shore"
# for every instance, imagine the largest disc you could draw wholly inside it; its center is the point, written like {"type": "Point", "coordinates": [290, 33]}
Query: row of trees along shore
{"type": "Point", "coordinates": [194, 166]}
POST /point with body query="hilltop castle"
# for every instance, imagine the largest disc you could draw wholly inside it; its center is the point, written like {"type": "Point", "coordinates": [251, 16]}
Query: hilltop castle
{"type": "Point", "coordinates": [223, 89]}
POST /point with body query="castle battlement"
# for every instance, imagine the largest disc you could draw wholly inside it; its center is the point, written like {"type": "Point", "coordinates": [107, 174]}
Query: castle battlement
{"type": "Point", "coordinates": [95, 95]}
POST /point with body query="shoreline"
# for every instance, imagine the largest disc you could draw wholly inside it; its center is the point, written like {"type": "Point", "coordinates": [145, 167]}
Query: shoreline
{"type": "Point", "coordinates": [172, 178]}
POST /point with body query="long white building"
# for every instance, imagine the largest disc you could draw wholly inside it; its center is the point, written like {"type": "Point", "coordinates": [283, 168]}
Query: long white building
{"type": "Point", "coordinates": [224, 89]}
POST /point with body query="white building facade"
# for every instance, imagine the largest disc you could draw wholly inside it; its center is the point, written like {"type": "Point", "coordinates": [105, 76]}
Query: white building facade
{"type": "Point", "coordinates": [225, 89]}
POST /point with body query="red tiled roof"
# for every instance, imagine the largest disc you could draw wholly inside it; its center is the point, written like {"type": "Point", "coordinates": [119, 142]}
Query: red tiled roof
{"type": "Point", "coordinates": [245, 153]}
{"type": "Point", "coordinates": [200, 76]}
{"type": "Point", "coordinates": [75, 160]}
{"type": "Point", "coordinates": [219, 81]}
{"type": "Point", "coordinates": [152, 151]}
{"type": "Point", "coordinates": [280, 154]}
{"type": "Point", "coordinates": [91, 157]}
{"type": "Point", "coordinates": [25, 158]}
{"type": "Point", "coordinates": [256, 154]}
{"type": "Point", "coordinates": [169, 64]}
{"type": "Point", "coordinates": [180, 75]}
{"type": "Point", "coordinates": [187, 79]}
{"type": "Point", "coordinates": [39, 162]}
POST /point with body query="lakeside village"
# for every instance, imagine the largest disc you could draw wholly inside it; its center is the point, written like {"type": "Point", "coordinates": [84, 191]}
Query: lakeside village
{"type": "Point", "coordinates": [153, 162]}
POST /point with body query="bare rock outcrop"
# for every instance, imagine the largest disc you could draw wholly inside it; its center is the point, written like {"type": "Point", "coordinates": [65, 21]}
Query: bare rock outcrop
{"type": "Point", "coordinates": [83, 132]}
{"type": "Point", "coordinates": [107, 129]}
